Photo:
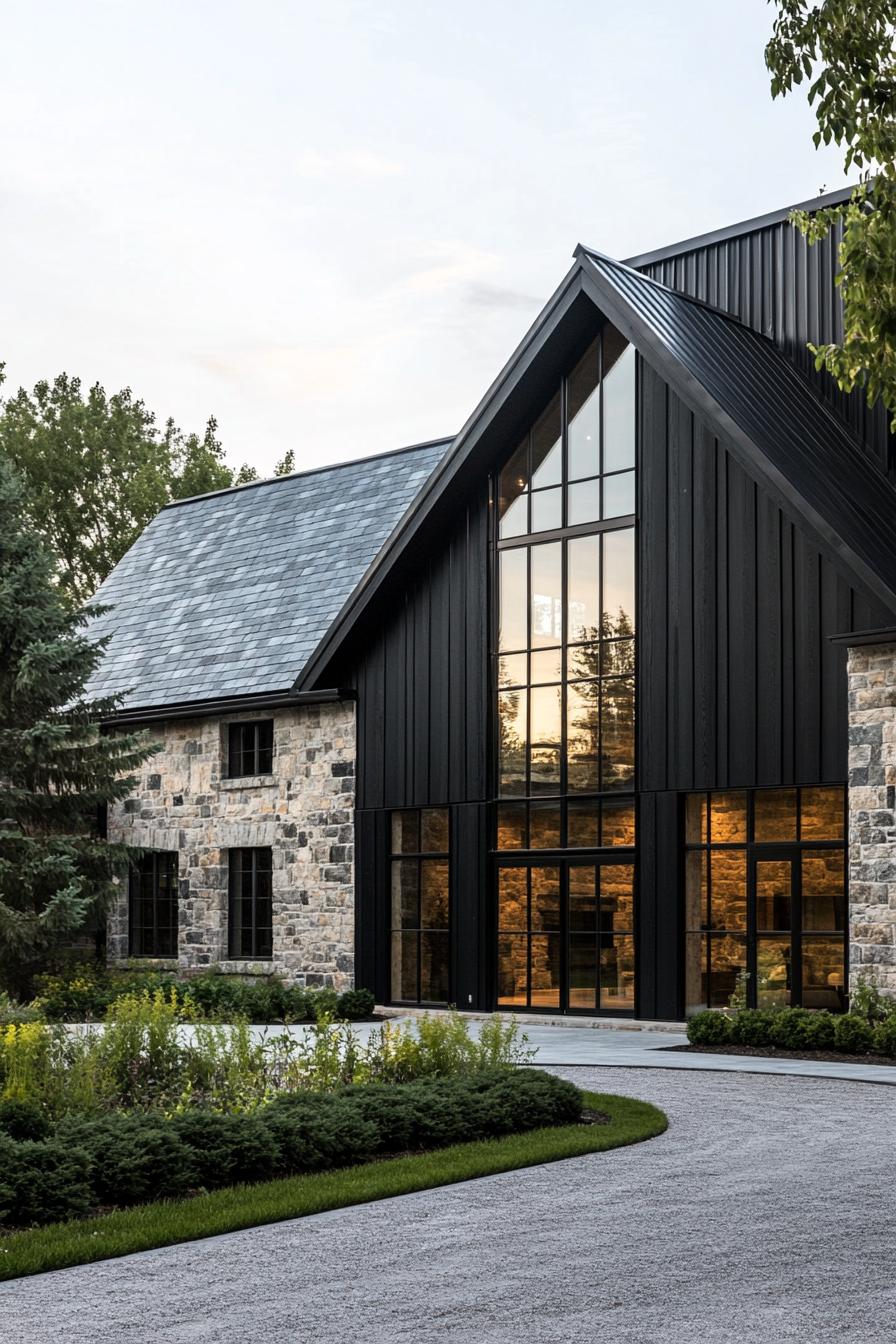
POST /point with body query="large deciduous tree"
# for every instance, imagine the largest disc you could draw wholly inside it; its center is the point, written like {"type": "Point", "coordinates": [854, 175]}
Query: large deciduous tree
{"type": "Point", "coordinates": [845, 51]}
{"type": "Point", "coordinates": [97, 468]}
{"type": "Point", "coordinates": [57, 769]}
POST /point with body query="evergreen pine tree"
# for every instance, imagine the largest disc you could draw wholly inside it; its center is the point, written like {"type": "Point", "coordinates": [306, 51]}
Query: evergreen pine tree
{"type": "Point", "coordinates": [57, 769]}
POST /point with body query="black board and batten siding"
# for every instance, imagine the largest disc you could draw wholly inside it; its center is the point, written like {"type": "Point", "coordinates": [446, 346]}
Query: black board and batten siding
{"type": "Point", "coordinates": [772, 280]}
{"type": "Point", "coordinates": [739, 684]}
{"type": "Point", "coordinates": [421, 680]}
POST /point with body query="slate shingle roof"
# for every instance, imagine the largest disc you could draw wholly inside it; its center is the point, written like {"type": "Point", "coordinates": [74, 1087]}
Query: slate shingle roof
{"type": "Point", "coordinates": [229, 593]}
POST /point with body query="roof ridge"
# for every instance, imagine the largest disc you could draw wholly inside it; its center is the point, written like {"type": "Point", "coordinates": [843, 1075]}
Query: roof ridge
{"type": "Point", "coordinates": [310, 471]}
{"type": "Point", "coordinates": [725, 232]}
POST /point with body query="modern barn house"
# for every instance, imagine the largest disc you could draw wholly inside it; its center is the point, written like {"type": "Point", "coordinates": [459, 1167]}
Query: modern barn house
{"type": "Point", "coordinates": [585, 710]}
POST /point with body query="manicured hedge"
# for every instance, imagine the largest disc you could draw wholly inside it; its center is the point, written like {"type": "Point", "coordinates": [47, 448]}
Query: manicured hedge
{"type": "Point", "coordinates": [87, 995]}
{"type": "Point", "coordinates": [126, 1159]}
{"type": "Point", "coordinates": [795, 1029]}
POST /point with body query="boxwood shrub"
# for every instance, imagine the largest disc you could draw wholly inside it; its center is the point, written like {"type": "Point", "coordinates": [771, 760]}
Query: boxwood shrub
{"type": "Point", "coordinates": [709, 1028]}
{"type": "Point", "coordinates": [794, 1029]}
{"type": "Point", "coordinates": [125, 1159]}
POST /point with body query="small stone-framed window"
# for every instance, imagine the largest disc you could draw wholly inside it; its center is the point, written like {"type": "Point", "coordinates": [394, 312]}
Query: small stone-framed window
{"type": "Point", "coordinates": [250, 748]}
{"type": "Point", "coordinates": [250, 904]}
{"type": "Point", "coordinates": [152, 922]}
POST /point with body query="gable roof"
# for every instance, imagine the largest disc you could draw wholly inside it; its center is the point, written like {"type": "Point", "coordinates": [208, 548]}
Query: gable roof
{"type": "Point", "coordinates": [227, 594]}
{"type": "Point", "coordinates": [766, 412]}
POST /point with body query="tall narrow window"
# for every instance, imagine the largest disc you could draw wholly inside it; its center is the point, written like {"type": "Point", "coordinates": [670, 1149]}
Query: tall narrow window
{"type": "Point", "coordinates": [419, 876]}
{"type": "Point", "coordinates": [565, 687]}
{"type": "Point", "coordinates": [152, 925]}
{"type": "Point", "coordinates": [250, 748]}
{"type": "Point", "coordinates": [251, 906]}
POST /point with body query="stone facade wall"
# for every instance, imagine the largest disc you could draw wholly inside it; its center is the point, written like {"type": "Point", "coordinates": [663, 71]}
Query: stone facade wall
{"type": "Point", "coordinates": [872, 814]}
{"type": "Point", "coordinates": [304, 811]}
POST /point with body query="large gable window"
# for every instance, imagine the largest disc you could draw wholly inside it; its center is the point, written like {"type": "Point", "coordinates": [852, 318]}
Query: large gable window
{"type": "Point", "coordinates": [152, 924]}
{"type": "Point", "coordinates": [543, 488]}
{"type": "Point", "coordinates": [564, 675]}
{"type": "Point", "coordinates": [250, 748]}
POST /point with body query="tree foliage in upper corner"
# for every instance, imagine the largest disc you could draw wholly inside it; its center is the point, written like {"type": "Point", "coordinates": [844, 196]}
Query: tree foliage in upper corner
{"type": "Point", "coordinates": [97, 469]}
{"type": "Point", "coordinates": [845, 50]}
{"type": "Point", "coordinates": [56, 767]}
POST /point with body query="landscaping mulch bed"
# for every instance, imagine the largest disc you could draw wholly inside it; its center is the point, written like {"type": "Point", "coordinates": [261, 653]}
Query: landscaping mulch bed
{"type": "Point", "coordinates": [772, 1052]}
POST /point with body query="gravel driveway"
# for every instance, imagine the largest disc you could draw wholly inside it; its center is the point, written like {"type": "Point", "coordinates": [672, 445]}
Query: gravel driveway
{"type": "Point", "coordinates": [765, 1213]}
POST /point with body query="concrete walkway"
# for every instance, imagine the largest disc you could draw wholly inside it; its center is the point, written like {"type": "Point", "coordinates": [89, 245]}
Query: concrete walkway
{"type": "Point", "coordinates": [765, 1212]}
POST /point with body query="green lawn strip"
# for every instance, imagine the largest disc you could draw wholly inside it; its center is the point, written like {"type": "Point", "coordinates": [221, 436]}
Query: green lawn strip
{"type": "Point", "coordinates": [81, 1241]}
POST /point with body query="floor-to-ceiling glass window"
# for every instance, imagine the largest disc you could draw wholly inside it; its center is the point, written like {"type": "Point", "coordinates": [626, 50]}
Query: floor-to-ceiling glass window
{"type": "Point", "coordinates": [766, 897]}
{"type": "Point", "coordinates": [564, 676]}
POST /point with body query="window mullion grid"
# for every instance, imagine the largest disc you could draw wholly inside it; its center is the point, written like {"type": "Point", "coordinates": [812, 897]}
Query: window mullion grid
{"type": "Point", "coordinates": [155, 904]}
{"type": "Point", "coordinates": [419, 930]}
{"type": "Point", "coordinates": [528, 770]}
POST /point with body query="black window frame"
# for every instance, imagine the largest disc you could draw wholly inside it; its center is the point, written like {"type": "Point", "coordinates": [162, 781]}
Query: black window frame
{"type": "Point", "coordinates": [252, 739]}
{"type": "Point", "coordinates": [258, 868]}
{"type": "Point", "coordinates": [758, 850]}
{"type": "Point", "coordinates": [418, 856]}
{"type": "Point", "coordinates": [156, 866]}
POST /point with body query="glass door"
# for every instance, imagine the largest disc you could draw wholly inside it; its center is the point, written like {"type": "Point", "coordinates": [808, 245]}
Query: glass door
{"type": "Point", "coordinates": [797, 900]}
{"type": "Point", "coordinates": [566, 936]}
{"type": "Point", "coordinates": [775, 893]}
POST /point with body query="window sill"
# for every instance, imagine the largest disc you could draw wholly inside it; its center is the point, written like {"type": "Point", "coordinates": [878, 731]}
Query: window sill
{"type": "Point", "coordinates": [247, 782]}
{"type": "Point", "coordinates": [257, 967]}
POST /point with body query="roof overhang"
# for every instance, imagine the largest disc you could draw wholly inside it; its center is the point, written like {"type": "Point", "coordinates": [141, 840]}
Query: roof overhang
{"type": "Point", "coordinates": [223, 706]}
{"type": "Point", "coordinates": [781, 458]}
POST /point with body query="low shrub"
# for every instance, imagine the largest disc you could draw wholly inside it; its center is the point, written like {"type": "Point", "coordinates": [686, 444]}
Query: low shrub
{"type": "Point", "coordinates": [709, 1028]}
{"type": "Point", "coordinates": [791, 1029]}
{"type": "Point", "coordinates": [752, 1026]}
{"type": "Point", "coordinates": [884, 1037]}
{"type": "Point", "coordinates": [354, 1004]}
{"type": "Point", "coordinates": [126, 1159]}
{"type": "Point", "coordinates": [87, 992]}
{"type": "Point", "coordinates": [43, 1182]}
{"type": "Point", "coordinates": [853, 1035]}
{"type": "Point", "coordinates": [867, 1000]}
{"type": "Point", "coordinates": [23, 1120]}
{"type": "Point", "coordinates": [133, 1158]}
{"type": "Point", "coordinates": [794, 1029]}
{"type": "Point", "coordinates": [820, 1030]}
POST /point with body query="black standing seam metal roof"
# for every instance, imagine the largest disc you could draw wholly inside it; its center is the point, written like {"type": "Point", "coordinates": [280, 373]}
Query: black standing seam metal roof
{"type": "Point", "coordinates": [768, 413]}
{"type": "Point", "coordinates": [229, 593]}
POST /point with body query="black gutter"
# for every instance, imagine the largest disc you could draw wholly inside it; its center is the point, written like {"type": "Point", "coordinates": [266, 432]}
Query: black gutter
{"type": "Point", "coordinates": [739, 230]}
{"type": "Point", "coordinates": [224, 705]}
{"type": "Point", "coordinates": [857, 638]}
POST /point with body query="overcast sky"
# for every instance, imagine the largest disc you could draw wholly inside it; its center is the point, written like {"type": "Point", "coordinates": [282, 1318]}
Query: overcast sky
{"type": "Point", "coordinates": [329, 224]}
